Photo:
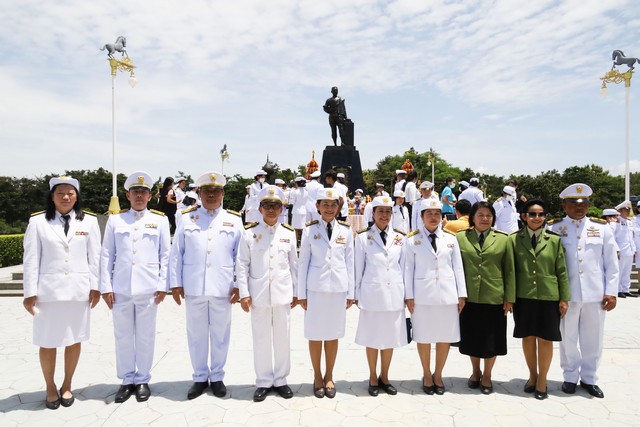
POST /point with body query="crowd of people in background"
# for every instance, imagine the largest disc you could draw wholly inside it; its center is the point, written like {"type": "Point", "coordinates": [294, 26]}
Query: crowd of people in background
{"type": "Point", "coordinates": [458, 263]}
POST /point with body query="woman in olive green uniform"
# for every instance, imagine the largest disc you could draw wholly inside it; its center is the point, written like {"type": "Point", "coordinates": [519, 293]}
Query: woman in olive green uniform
{"type": "Point", "coordinates": [542, 292]}
{"type": "Point", "coordinates": [487, 257]}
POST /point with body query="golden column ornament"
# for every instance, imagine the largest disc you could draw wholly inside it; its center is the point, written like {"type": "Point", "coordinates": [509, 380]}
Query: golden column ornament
{"type": "Point", "coordinates": [615, 76]}
{"type": "Point", "coordinates": [125, 64]}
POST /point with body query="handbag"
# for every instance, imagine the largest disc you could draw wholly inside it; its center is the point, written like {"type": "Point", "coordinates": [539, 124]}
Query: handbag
{"type": "Point", "coordinates": [409, 330]}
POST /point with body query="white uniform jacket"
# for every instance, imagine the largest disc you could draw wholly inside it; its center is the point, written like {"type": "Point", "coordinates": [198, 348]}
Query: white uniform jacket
{"type": "Point", "coordinates": [326, 265]}
{"type": "Point", "coordinates": [379, 270]}
{"type": "Point", "coordinates": [623, 234]}
{"type": "Point", "coordinates": [416, 218]}
{"type": "Point", "coordinates": [344, 211]}
{"type": "Point", "coordinates": [267, 264]}
{"type": "Point", "coordinates": [252, 203]}
{"type": "Point", "coordinates": [58, 267]}
{"type": "Point", "coordinates": [433, 278]}
{"type": "Point", "coordinates": [203, 253]}
{"type": "Point", "coordinates": [135, 253]}
{"type": "Point", "coordinates": [400, 218]}
{"type": "Point", "coordinates": [592, 262]}
{"type": "Point", "coordinates": [298, 199]}
{"type": "Point", "coordinates": [506, 215]}
{"type": "Point", "coordinates": [472, 194]}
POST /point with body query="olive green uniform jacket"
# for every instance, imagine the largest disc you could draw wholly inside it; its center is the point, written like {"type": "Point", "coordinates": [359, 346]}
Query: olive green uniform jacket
{"type": "Point", "coordinates": [541, 273]}
{"type": "Point", "coordinates": [488, 271]}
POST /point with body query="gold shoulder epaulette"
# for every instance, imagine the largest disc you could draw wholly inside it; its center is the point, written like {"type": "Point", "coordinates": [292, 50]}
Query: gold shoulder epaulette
{"type": "Point", "coordinates": [399, 231]}
{"type": "Point", "coordinates": [157, 212]}
{"type": "Point", "coordinates": [308, 223]}
{"type": "Point", "coordinates": [234, 213]}
{"type": "Point", "coordinates": [287, 226]}
{"type": "Point", "coordinates": [250, 225]}
{"type": "Point", "coordinates": [500, 232]}
{"type": "Point", "coordinates": [37, 213]}
{"type": "Point", "coordinates": [552, 232]}
{"type": "Point", "coordinates": [191, 209]}
{"type": "Point", "coordinates": [89, 212]}
{"type": "Point", "coordinates": [554, 220]}
{"type": "Point", "coordinates": [345, 223]}
{"type": "Point", "coordinates": [363, 230]}
{"type": "Point", "coordinates": [598, 220]}
{"type": "Point", "coordinates": [413, 233]}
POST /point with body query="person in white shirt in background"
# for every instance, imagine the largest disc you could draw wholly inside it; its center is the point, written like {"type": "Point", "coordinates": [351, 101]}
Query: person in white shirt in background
{"type": "Point", "coordinates": [506, 214]}
{"type": "Point", "coordinates": [401, 179]}
{"type": "Point", "coordinates": [400, 220]}
{"type": "Point", "coordinates": [426, 193]}
{"type": "Point", "coordinates": [473, 194]}
{"type": "Point", "coordinates": [626, 244]}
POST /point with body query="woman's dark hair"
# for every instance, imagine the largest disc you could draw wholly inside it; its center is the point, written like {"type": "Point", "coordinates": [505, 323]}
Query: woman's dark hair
{"type": "Point", "coordinates": [301, 183]}
{"type": "Point", "coordinates": [165, 187]}
{"type": "Point", "coordinates": [463, 206]}
{"type": "Point", "coordinates": [51, 207]}
{"type": "Point", "coordinates": [412, 175]}
{"type": "Point", "coordinates": [532, 202]}
{"type": "Point", "coordinates": [479, 205]}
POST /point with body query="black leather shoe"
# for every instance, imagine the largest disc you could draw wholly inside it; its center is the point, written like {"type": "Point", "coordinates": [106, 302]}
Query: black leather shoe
{"type": "Point", "coordinates": [428, 389]}
{"type": "Point", "coordinates": [592, 389]}
{"type": "Point", "coordinates": [143, 392]}
{"type": "Point", "coordinates": [473, 383]}
{"type": "Point", "coordinates": [388, 388]}
{"type": "Point", "coordinates": [485, 389]}
{"type": "Point", "coordinates": [261, 393]}
{"type": "Point", "coordinates": [621, 295]}
{"type": "Point", "coordinates": [52, 405]}
{"type": "Point", "coordinates": [438, 389]}
{"type": "Point", "coordinates": [541, 395]}
{"type": "Point", "coordinates": [66, 402]}
{"type": "Point", "coordinates": [124, 393]}
{"type": "Point", "coordinates": [219, 389]}
{"type": "Point", "coordinates": [318, 392]}
{"type": "Point", "coordinates": [330, 392]}
{"type": "Point", "coordinates": [373, 390]}
{"type": "Point", "coordinates": [284, 391]}
{"type": "Point", "coordinates": [568, 387]}
{"type": "Point", "coordinates": [529, 388]}
{"type": "Point", "coordinates": [197, 389]}
{"type": "Point", "coordinates": [630, 295]}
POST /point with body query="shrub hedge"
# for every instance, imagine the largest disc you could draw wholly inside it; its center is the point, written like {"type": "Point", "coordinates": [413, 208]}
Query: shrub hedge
{"type": "Point", "coordinates": [11, 249]}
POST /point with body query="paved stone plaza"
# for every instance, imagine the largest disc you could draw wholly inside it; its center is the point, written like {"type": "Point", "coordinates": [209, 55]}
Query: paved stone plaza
{"type": "Point", "coordinates": [22, 386]}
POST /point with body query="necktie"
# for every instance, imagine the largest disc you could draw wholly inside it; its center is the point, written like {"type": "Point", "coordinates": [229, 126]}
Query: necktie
{"type": "Point", "coordinates": [401, 211]}
{"type": "Point", "coordinates": [433, 238]}
{"type": "Point", "coordinates": [534, 242]}
{"type": "Point", "coordinates": [329, 230]}
{"type": "Point", "coordinates": [66, 223]}
{"type": "Point", "coordinates": [383, 236]}
{"type": "Point", "coordinates": [481, 239]}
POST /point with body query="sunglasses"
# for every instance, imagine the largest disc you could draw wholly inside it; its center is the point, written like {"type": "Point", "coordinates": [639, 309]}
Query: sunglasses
{"type": "Point", "coordinates": [536, 214]}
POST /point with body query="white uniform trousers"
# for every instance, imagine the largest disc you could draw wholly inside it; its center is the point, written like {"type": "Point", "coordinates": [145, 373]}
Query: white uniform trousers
{"type": "Point", "coordinates": [625, 263]}
{"type": "Point", "coordinates": [584, 323]}
{"type": "Point", "coordinates": [134, 325]}
{"type": "Point", "coordinates": [270, 330]}
{"type": "Point", "coordinates": [208, 331]}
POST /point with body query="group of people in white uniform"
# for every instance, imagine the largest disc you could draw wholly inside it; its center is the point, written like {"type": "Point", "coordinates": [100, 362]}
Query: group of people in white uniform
{"type": "Point", "coordinates": [215, 261]}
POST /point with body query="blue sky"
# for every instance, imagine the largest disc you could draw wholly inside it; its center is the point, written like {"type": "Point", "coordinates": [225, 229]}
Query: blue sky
{"type": "Point", "coordinates": [499, 86]}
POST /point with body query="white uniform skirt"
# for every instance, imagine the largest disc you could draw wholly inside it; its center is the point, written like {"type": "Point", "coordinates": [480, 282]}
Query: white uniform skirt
{"type": "Point", "coordinates": [61, 323]}
{"type": "Point", "coordinates": [382, 329]}
{"type": "Point", "coordinates": [326, 315]}
{"type": "Point", "coordinates": [435, 323]}
{"type": "Point", "coordinates": [298, 220]}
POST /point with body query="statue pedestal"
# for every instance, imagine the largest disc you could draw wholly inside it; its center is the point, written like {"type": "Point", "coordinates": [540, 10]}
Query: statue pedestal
{"type": "Point", "coordinates": [345, 159]}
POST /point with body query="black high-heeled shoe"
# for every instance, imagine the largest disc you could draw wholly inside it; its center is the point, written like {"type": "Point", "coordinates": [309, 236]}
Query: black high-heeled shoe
{"type": "Point", "coordinates": [439, 389]}
{"type": "Point", "coordinates": [541, 395]}
{"type": "Point", "coordinates": [428, 389]}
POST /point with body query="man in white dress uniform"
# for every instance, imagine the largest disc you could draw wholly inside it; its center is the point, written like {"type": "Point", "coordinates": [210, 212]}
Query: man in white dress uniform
{"type": "Point", "coordinates": [133, 281]}
{"type": "Point", "coordinates": [592, 265]}
{"type": "Point", "coordinates": [201, 271]}
{"type": "Point", "coordinates": [252, 214]}
{"type": "Point", "coordinates": [624, 238]}
{"type": "Point", "coordinates": [266, 270]}
{"type": "Point", "coordinates": [426, 193]}
{"type": "Point", "coordinates": [506, 214]}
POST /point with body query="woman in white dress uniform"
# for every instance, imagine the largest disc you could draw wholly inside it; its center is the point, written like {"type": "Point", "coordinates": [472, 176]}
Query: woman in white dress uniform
{"type": "Point", "coordinates": [61, 258]}
{"type": "Point", "coordinates": [379, 291]}
{"type": "Point", "coordinates": [325, 286]}
{"type": "Point", "coordinates": [435, 291]}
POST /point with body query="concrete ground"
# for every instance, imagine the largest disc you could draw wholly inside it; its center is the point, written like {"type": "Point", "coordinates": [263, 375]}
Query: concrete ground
{"type": "Point", "coordinates": [95, 383]}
